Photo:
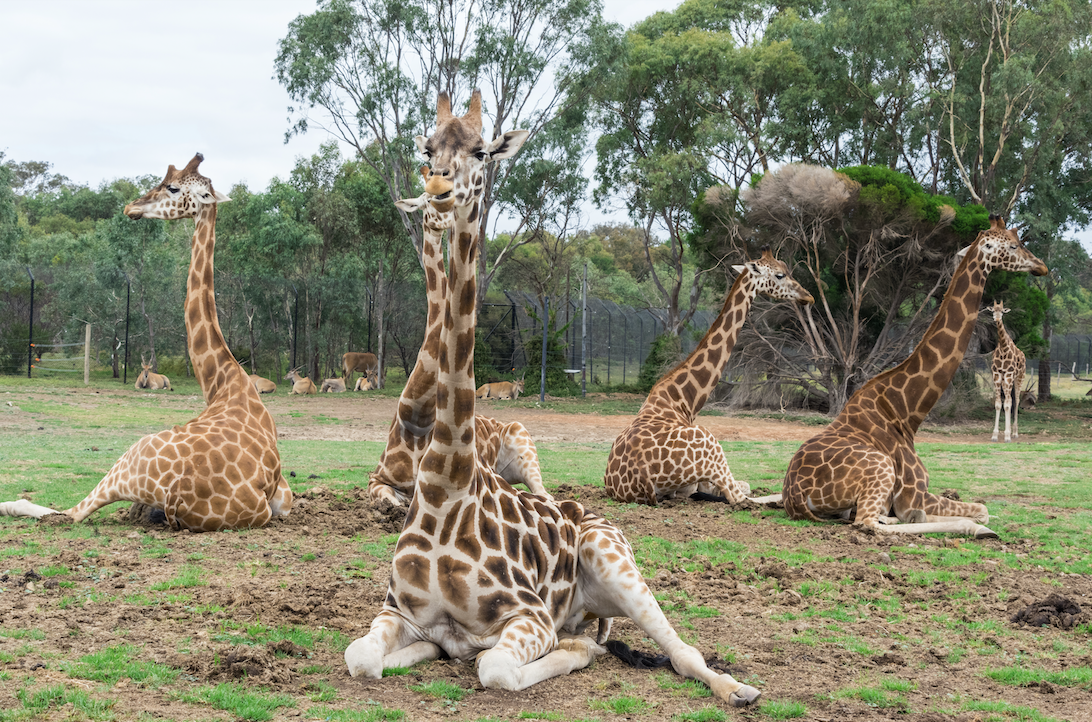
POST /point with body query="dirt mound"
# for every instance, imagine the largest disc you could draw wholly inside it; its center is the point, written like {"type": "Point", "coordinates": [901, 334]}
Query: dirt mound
{"type": "Point", "coordinates": [1054, 611]}
{"type": "Point", "coordinates": [258, 664]}
{"type": "Point", "coordinates": [344, 512]}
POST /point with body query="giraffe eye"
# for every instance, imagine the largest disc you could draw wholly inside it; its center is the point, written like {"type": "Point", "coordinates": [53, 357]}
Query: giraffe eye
{"type": "Point", "coordinates": [204, 195]}
{"type": "Point", "coordinates": [172, 189]}
{"type": "Point", "coordinates": [779, 276]}
{"type": "Point", "coordinates": [1013, 246]}
{"type": "Point", "coordinates": [480, 155]}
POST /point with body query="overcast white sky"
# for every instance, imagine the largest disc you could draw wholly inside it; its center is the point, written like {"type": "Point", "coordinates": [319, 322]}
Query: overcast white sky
{"type": "Point", "coordinates": [121, 88]}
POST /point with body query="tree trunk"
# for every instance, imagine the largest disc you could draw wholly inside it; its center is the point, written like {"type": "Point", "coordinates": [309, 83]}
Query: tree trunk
{"type": "Point", "coordinates": [114, 361]}
{"type": "Point", "coordinates": [1044, 361]}
{"type": "Point", "coordinates": [151, 332]}
{"type": "Point", "coordinates": [381, 345]}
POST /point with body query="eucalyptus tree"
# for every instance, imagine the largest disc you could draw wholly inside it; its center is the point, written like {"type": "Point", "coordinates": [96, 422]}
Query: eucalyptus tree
{"type": "Point", "coordinates": [368, 71]}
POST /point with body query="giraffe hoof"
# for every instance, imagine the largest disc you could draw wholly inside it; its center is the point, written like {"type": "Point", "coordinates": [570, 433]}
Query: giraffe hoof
{"type": "Point", "coordinates": [744, 696]}
{"type": "Point", "coordinates": [984, 533]}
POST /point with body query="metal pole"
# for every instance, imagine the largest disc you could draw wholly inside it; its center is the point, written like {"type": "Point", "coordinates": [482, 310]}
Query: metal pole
{"type": "Point", "coordinates": [128, 288]}
{"type": "Point", "coordinates": [584, 336]}
{"type": "Point", "coordinates": [30, 340]}
{"type": "Point", "coordinates": [87, 356]}
{"type": "Point", "coordinates": [610, 320]}
{"type": "Point", "coordinates": [512, 339]}
{"type": "Point", "coordinates": [296, 325]}
{"type": "Point", "coordinates": [545, 328]}
{"type": "Point", "coordinates": [625, 335]}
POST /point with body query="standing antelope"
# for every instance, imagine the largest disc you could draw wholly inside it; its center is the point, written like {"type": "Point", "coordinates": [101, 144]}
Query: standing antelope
{"type": "Point", "coordinates": [300, 384]}
{"type": "Point", "coordinates": [361, 361]}
{"type": "Point", "coordinates": [149, 380]}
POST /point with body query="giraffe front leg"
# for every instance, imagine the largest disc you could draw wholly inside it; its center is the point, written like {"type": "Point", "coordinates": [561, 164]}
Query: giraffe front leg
{"type": "Point", "coordinates": [518, 660]}
{"type": "Point", "coordinates": [23, 507]}
{"type": "Point", "coordinates": [281, 503]}
{"type": "Point", "coordinates": [996, 411]}
{"type": "Point", "coordinates": [389, 636]}
{"type": "Point", "coordinates": [1007, 390]}
{"type": "Point", "coordinates": [612, 586]}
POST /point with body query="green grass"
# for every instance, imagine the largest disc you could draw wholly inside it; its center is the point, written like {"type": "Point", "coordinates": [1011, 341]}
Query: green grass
{"type": "Point", "coordinates": [1023, 676]}
{"type": "Point", "coordinates": [783, 709]}
{"type": "Point", "coordinates": [374, 712]}
{"type": "Point", "coordinates": [623, 704]}
{"type": "Point", "coordinates": [112, 664]}
{"type": "Point", "coordinates": [39, 701]}
{"type": "Point", "coordinates": [442, 689]}
{"type": "Point", "coordinates": [188, 576]}
{"type": "Point", "coordinates": [233, 698]}
{"type": "Point", "coordinates": [705, 714]}
{"type": "Point", "coordinates": [1006, 711]}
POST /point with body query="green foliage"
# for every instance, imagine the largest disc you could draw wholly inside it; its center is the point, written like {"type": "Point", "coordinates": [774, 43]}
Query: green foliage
{"type": "Point", "coordinates": [557, 381]}
{"type": "Point", "coordinates": [663, 355]}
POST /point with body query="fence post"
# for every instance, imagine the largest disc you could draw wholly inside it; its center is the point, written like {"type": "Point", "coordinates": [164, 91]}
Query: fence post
{"type": "Point", "coordinates": [610, 322]}
{"type": "Point", "coordinates": [545, 331]}
{"type": "Point", "coordinates": [87, 355]}
{"type": "Point", "coordinates": [296, 325]}
{"type": "Point", "coordinates": [625, 346]}
{"type": "Point", "coordinates": [30, 340]}
{"type": "Point", "coordinates": [584, 336]}
{"type": "Point", "coordinates": [512, 339]}
{"type": "Point", "coordinates": [128, 288]}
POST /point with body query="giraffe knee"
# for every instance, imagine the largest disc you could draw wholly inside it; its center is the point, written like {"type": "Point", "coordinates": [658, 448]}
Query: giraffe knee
{"type": "Point", "coordinates": [497, 670]}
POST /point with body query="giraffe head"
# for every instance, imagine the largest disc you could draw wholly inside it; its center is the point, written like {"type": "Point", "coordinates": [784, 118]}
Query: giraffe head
{"type": "Point", "coordinates": [771, 278]}
{"type": "Point", "coordinates": [458, 154]}
{"type": "Point", "coordinates": [999, 311]}
{"type": "Point", "coordinates": [1001, 247]}
{"type": "Point", "coordinates": [438, 217]}
{"type": "Point", "coordinates": [180, 195]}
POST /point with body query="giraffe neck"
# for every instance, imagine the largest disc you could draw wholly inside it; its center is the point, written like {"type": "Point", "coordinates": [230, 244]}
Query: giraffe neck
{"type": "Point", "coordinates": [1005, 344]}
{"type": "Point", "coordinates": [936, 358]}
{"type": "Point", "coordinates": [449, 466]}
{"type": "Point", "coordinates": [686, 389]}
{"type": "Point", "coordinates": [417, 403]}
{"type": "Point", "coordinates": [208, 350]}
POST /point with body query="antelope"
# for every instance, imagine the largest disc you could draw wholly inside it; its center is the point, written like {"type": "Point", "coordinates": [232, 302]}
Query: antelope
{"type": "Point", "coordinates": [367, 382]}
{"type": "Point", "coordinates": [262, 385]}
{"type": "Point", "coordinates": [361, 361]}
{"type": "Point", "coordinates": [149, 380]}
{"type": "Point", "coordinates": [333, 386]}
{"type": "Point", "coordinates": [300, 384]}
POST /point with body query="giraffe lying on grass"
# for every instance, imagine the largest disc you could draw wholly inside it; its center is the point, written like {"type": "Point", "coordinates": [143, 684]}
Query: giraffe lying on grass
{"type": "Point", "coordinates": [221, 470]}
{"type": "Point", "coordinates": [664, 452]}
{"type": "Point", "coordinates": [481, 571]}
{"type": "Point", "coordinates": [864, 464]}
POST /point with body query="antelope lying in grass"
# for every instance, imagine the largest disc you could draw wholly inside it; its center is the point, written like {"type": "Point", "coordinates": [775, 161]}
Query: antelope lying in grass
{"type": "Point", "coordinates": [367, 382]}
{"type": "Point", "coordinates": [262, 385]}
{"type": "Point", "coordinates": [500, 390]}
{"type": "Point", "coordinates": [149, 380]}
{"type": "Point", "coordinates": [300, 384]}
{"type": "Point", "coordinates": [333, 386]}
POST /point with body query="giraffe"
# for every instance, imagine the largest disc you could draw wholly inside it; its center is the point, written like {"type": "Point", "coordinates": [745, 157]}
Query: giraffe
{"type": "Point", "coordinates": [482, 571]}
{"type": "Point", "coordinates": [663, 452]}
{"type": "Point", "coordinates": [507, 448]}
{"type": "Point", "coordinates": [864, 463]}
{"type": "Point", "coordinates": [220, 470]}
{"type": "Point", "coordinates": [1009, 366]}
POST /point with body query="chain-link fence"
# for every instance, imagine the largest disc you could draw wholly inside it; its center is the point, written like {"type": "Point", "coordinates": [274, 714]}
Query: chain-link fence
{"type": "Point", "coordinates": [618, 338]}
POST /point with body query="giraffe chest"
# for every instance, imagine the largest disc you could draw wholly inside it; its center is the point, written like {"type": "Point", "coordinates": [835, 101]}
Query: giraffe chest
{"type": "Point", "coordinates": [464, 569]}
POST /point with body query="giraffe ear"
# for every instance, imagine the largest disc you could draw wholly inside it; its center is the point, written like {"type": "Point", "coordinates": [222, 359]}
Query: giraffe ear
{"type": "Point", "coordinates": [220, 197]}
{"type": "Point", "coordinates": [507, 145]}
{"type": "Point", "coordinates": [738, 269]}
{"type": "Point", "coordinates": [409, 205]}
{"type": "Point", "coordinates": [961, 253]}
{"type": "Point", "coordinates": [420, 141]}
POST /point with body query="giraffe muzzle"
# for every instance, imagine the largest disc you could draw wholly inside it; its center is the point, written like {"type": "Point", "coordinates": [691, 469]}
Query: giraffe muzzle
{"type": "Point", "coordinates": [136, 213]}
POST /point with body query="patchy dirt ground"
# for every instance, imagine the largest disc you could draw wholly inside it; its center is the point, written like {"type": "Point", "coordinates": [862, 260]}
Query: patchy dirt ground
{"type": "Point", "coordinates": [800, 612]}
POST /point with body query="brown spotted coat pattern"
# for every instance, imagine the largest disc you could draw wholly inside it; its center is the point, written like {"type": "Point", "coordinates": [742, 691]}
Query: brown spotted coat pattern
{"type": "Point", "coordinates": [664, 452]}
{"type": "Point", "coordinates": [1008, 367]}
{"type": "Point", "coordinates": [221, 470]}
{"type": "Point", "coordinates": [482, 571]}
{"type": "Point", "coordinates": [864, 464]}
